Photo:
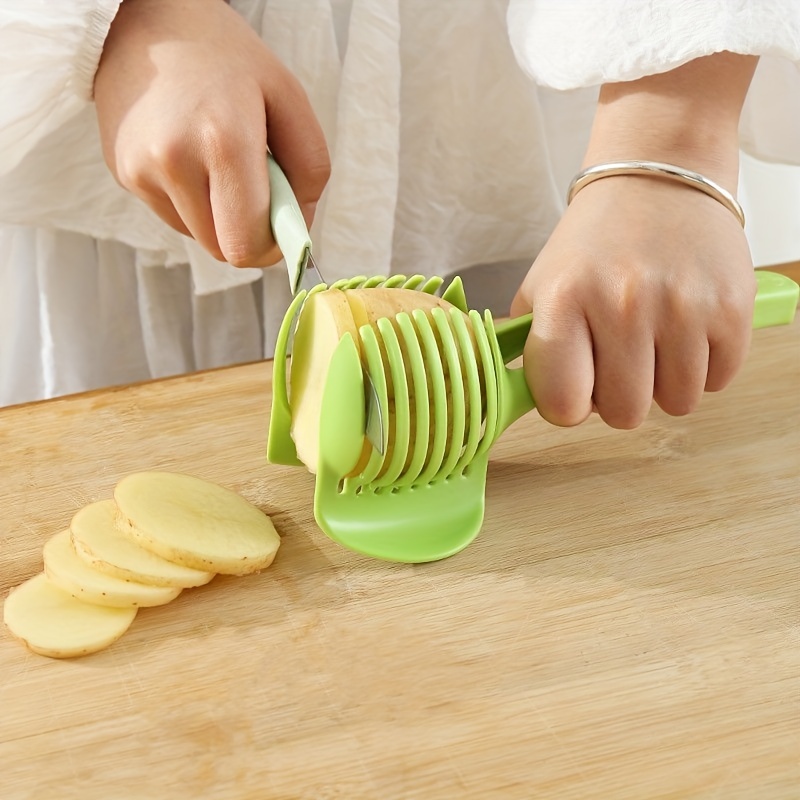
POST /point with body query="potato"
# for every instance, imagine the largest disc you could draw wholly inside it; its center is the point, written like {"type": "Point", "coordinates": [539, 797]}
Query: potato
{"type": "Point", "coordinates": [67, 570]}
{"type": "Point", "coordinates": [195, 523]}
{"type": "Point", "coordinates": [53, 623]}
{"type": "Point", "coordinates": [98, 541]}
{"type": "Point", "coordinates": [370, 305]}
{"type": "Point", "coordinates": [326, 317]}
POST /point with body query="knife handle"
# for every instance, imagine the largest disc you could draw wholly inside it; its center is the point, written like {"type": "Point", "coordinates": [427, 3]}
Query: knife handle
{"type": "Point", "coordinates": [288, 226]}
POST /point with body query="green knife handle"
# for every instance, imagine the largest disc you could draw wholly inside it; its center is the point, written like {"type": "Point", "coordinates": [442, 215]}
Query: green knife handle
{"type": "Point", "coordinates": [288, 226]}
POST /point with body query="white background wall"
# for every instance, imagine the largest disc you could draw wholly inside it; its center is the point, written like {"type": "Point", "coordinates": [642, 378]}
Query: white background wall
{"type": "Point", "coordinates": [770, 196]}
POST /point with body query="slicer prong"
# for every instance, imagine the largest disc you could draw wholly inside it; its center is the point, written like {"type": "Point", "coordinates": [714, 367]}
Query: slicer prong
{"type": "Point", "coordinates": [374, 416]}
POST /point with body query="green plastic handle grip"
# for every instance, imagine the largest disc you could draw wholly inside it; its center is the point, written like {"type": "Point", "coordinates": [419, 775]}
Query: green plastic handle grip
{"type": "Point", "coordinates": [775, 304]}
{"type": "Point", "coordinates": [288, 226]}
{"type": "Point", "coordinates": [776, 299]}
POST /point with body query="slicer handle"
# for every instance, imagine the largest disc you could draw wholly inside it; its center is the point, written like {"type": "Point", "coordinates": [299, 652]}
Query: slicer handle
{"type": "Point", "coordinates": [511, 336]}
{"type": "Point", "coordinates": [776, 299]}
{"type": "Point", "coordinates": [775, 304]}
{"type": "Point", "coordinates": [517, 399]}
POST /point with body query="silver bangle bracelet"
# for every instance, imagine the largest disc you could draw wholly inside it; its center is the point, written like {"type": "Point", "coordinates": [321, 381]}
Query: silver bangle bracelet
{"type": "Point", "coordinates": [659, 170]}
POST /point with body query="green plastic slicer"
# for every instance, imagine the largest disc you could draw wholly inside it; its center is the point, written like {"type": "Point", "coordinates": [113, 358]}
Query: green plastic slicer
{"type": "Point", "coordinates": [421, 495]}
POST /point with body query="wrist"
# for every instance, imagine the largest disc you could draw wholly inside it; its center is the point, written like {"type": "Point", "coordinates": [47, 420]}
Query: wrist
{"type": "Point", "coordinates": [688, 117]}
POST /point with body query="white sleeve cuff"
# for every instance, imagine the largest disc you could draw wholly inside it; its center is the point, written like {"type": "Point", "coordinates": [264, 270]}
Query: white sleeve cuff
{"type": "Point", "coordinates": [49, 54]}
{"type": "Point", "coordinates": [98, 22]}
{"type": "Point", "coordinates": [568, 44]}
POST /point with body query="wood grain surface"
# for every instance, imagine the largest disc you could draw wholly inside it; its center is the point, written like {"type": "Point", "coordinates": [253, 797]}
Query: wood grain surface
{"type": "Point", "coordinates": [792, 270]}
{"type": "Point", "coordinates": [626, 626]}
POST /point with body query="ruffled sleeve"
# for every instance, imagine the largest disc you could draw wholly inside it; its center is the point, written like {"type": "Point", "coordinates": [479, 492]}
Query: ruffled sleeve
{"type": "Point", "coordinates": [568, 44]}
{"type": "Point", "coordinates": [52, 172]}
{"type": "Point", "coordinates": [48, 57]}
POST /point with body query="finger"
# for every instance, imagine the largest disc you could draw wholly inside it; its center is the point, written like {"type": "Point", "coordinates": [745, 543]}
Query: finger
{"type": "Point", "coordinates": [142, 184]}
{"type": "Point", "coordinates": [297, 142]}
{"type": "Point", "coordinates": [680, 370]}
{"type": "Point", "coordinates": [624, 365]}
{"type": "Point", "coordinates": [520, 305]}
{"type": "Point", "coordinates": [183, 203]}
{"type": "Point", "coordinates": [559, 366]}
{"type": "Point", "coordinates": [729, 339]}
{"type": "Point", "coordinates": [726, 356]}
{"type": "Point", "coordinates": [239, 195]}
{"type": "Point", "coordinates": [163, 207]}
{"type": "Point", "coordinates": [191, 201]}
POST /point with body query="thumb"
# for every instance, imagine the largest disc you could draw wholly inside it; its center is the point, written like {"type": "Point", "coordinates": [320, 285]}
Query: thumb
{"type": "Point", "coordinates": [559, 364]}
{"type": "Point", "coordinates": [520, 304]}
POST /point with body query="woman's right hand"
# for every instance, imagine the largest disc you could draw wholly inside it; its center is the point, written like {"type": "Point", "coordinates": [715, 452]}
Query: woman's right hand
{"type": "Point", "coordinates": [188, 98]}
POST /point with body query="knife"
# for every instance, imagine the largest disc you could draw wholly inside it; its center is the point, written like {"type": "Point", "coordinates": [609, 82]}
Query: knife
{"type": "Point", "coordinates": [293, 239]}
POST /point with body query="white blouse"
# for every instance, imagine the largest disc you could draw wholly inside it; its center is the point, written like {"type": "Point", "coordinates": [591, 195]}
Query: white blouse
{"type": "Point", "coordinates": [454, 128]}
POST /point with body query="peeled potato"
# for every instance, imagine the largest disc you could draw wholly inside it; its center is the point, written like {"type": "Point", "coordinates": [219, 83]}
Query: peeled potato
{"type": "Point", "coordinates": [370, 305]}
{"type": "Point", "coordinates": [195, 523]}
{"type": "Point", "coordinates": [53, 623]}
{"type": "Point", "coordinates": [67, 570]}
{"type": "Point", "coordinates": [326, 317]}
{"type": "Point", "coordinates": [99, 542]}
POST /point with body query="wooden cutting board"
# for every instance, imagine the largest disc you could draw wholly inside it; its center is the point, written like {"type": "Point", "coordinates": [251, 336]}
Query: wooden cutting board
{"type": "Point", "coordinates": [626, 626]}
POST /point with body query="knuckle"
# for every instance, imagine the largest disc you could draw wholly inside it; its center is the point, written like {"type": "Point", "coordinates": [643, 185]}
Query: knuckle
{"type": "Point", "coordinates": [217, 253]}
{"type": "Point", "coordinates": [240, 254]}
{"type": "Point", "coordinates": [218, 141]}
{"type": "Point", "coordinates": [720, 381]}
{"type": "Point", "coordinates": [318, 174]}
{"type": "Point", "coordinates": [132, 175]}
{"type": "Point", "coordinates": [724, 367]}
{"type": "Point", "coordinates": [169, 158]}
{"type": "Point", "coordinates": [628, 299]}
{"type": "Point", "coordinates": [678, 405]}
{"type": "Point", "coordinates": [245, 254]}
{"type": "Point", "coordinates": [736, 307]}
{"type": "Point", "coordinates": [163, 158]}
{"type": "Point", "coordinates": [624, 301]}
{"type": "Point", "coordinates": [209, 243]}
{"type": "Point", "coordinates": [730, 304]}
{"type": "Point", "coordinates": [563, 411]}
{"type": "Point", "coordinates": [683, 304]}
{"type": "Point", "coordinates": [623, 418]}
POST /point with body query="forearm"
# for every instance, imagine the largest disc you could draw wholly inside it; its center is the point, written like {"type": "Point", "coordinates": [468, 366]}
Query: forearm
{"type": "Point", "coordinates": [688, 116]}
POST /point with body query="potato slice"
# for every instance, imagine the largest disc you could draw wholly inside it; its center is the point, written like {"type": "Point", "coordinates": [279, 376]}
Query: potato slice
{"type": "Point", "coordinates": [99, 542]}
{"type": "Point", "coordinates": [195, 523]}
{"type": "Point", "coordinates": [51, 622]}
{"type": "Point", "coordinates": [67, 570]}
{"type": "Point", "coordinates": [326, 317]}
